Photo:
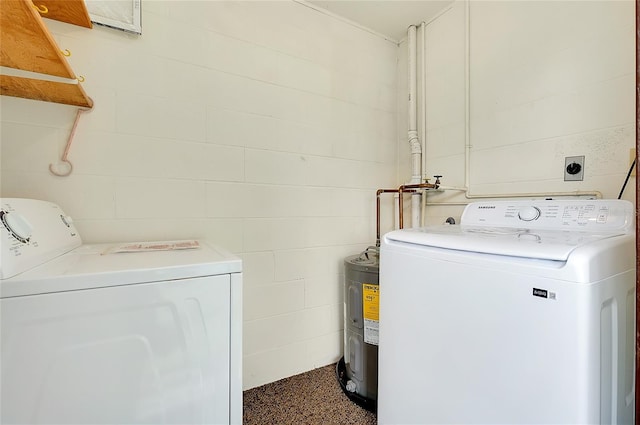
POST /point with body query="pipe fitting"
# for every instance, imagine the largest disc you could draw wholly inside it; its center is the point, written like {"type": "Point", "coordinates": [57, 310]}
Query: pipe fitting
{"type": "Point", "coordinates": [414, 142]}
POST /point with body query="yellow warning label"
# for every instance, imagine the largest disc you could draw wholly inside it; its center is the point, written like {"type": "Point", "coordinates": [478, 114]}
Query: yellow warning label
{"type": "Point", "coordinates": [370, 302]}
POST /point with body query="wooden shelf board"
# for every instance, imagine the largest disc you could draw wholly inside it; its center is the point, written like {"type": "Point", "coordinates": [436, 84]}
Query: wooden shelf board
{"type": "Point", "coordinates": [26, 42]}
{"type": "Point", "coordinates": [48, 91]}
{"type": "Point", "coordinates": [69, 11]}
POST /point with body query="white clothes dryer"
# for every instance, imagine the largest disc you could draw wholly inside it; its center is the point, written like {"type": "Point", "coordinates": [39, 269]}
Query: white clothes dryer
{"type": "Point", "coordinates": [523, 313]}
{"type": "Point", "coordinates": [115, 333]}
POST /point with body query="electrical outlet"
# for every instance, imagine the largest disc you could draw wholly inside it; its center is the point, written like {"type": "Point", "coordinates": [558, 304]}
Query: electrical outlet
{"type": "Point", "coordinates": [574, 168]}
{"type": "Point", "coordinates": [632, 157]}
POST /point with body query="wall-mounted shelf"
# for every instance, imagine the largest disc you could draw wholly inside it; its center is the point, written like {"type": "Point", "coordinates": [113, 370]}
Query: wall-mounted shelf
{"type": "Point", "coordinates": [27, 45]}
{"type": "Point", "coordinates": [69, 11]}
{"type": "Point", "coordinates": [48, 91]}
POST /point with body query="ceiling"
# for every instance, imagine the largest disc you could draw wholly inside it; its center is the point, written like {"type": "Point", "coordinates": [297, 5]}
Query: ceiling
{"type": "Point", "coordinates": [387, 17]}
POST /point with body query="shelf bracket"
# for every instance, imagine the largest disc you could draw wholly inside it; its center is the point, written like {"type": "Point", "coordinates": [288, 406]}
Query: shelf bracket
{"type": "Point", "coordinates": [64, 158]}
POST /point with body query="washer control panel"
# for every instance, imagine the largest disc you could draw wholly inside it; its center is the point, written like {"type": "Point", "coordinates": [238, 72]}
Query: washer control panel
{"type": "Point", "coordinates": [601, 215]}
{"type": "Point", "coordinates": [33, 232]}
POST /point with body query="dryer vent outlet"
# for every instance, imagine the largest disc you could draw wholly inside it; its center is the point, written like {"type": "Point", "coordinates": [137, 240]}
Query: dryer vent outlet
{"type": "Point", "coordinates": [574, 168]}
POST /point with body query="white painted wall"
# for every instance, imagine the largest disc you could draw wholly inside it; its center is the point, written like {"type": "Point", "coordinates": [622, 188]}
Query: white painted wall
{"type": "Point", "coordinates": [265, 127]}
{"type": "Point", "coordinates": [547, 80]}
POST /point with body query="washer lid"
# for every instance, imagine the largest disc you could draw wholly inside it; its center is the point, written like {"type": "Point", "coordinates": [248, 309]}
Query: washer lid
{"type": "Point", "coordinates": [541, 229]}
{"type": "Point", "coordinates": [104, 265]}
{"type": "Point", "coordinates": [515, 242]}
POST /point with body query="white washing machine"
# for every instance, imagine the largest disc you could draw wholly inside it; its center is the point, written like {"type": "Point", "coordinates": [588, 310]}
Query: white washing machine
{"type": "Point", "coordinates": [524, 313]}
{"type": "Point", "coordinates": [115, 333]}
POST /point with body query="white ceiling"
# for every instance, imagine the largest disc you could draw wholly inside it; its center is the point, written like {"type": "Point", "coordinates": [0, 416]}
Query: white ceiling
{"type": "Point", "coordinates": [387, 17]}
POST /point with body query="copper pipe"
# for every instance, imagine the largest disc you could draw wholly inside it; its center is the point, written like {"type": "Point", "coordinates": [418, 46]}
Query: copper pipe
{"type": "Point", "coordinates": [378, 193]}
{"type": "Point", "coordinates": [407, 188]}
{"type": "Point", "coordinates": [402, 191]}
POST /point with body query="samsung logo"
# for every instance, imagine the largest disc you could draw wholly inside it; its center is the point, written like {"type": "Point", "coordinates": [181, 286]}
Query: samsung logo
{"type": "Point", "coordinates": [487, 207]}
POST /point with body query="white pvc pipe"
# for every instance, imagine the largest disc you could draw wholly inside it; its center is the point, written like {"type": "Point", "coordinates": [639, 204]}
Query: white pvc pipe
{"type": "Point", "coordinates": [396, 211]}
{"type": "Point", "coordinates": [414, 140]}
{"type": "Point", "coordinates": [595, 193]}
{"type": "Point", "coordinates": [415, 209]}
{"type": "Point", "coordinates": [423, 99]}
{"type": "Point", "coordinates": [411, 74]}
{"type": "Point", "coordinates": [467, 96]}
{"type": "Point", "coordinates": [423, 111]}
{"type": "Point", "coordinates": [423, 209]}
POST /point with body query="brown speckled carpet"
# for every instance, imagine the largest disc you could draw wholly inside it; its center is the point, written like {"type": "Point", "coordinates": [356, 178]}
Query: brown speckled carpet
{"type": "Point", "coordinates": [314, 397]}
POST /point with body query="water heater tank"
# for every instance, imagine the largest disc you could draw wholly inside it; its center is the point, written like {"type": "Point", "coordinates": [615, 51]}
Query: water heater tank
{"type": "Point", "coordinates": [359, 377]}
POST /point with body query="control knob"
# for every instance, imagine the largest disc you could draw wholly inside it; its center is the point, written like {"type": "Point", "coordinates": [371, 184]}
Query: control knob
{"type": "Point", "coordinates": [528, 213]}
{"type": "Point", "coordinates": [18, 226]}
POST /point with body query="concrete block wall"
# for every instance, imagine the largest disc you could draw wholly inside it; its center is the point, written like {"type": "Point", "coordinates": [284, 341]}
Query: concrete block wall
{"type": "Point", "coordinates": [265, 127]}
{"type": "Point", "coordinates": [547, 80]}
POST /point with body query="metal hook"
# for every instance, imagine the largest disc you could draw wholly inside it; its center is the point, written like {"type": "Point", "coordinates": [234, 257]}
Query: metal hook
{"type": "Point", "coordinates": [42, 8]}
{"type": "Point", "coordinates": [66, 52]}
{"type": "Point", "coordinates": [54, 172]}
{"type": "Point", "coordinates": [68, 146]}
{"type": "Point", "coordinates": [80, 79]}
